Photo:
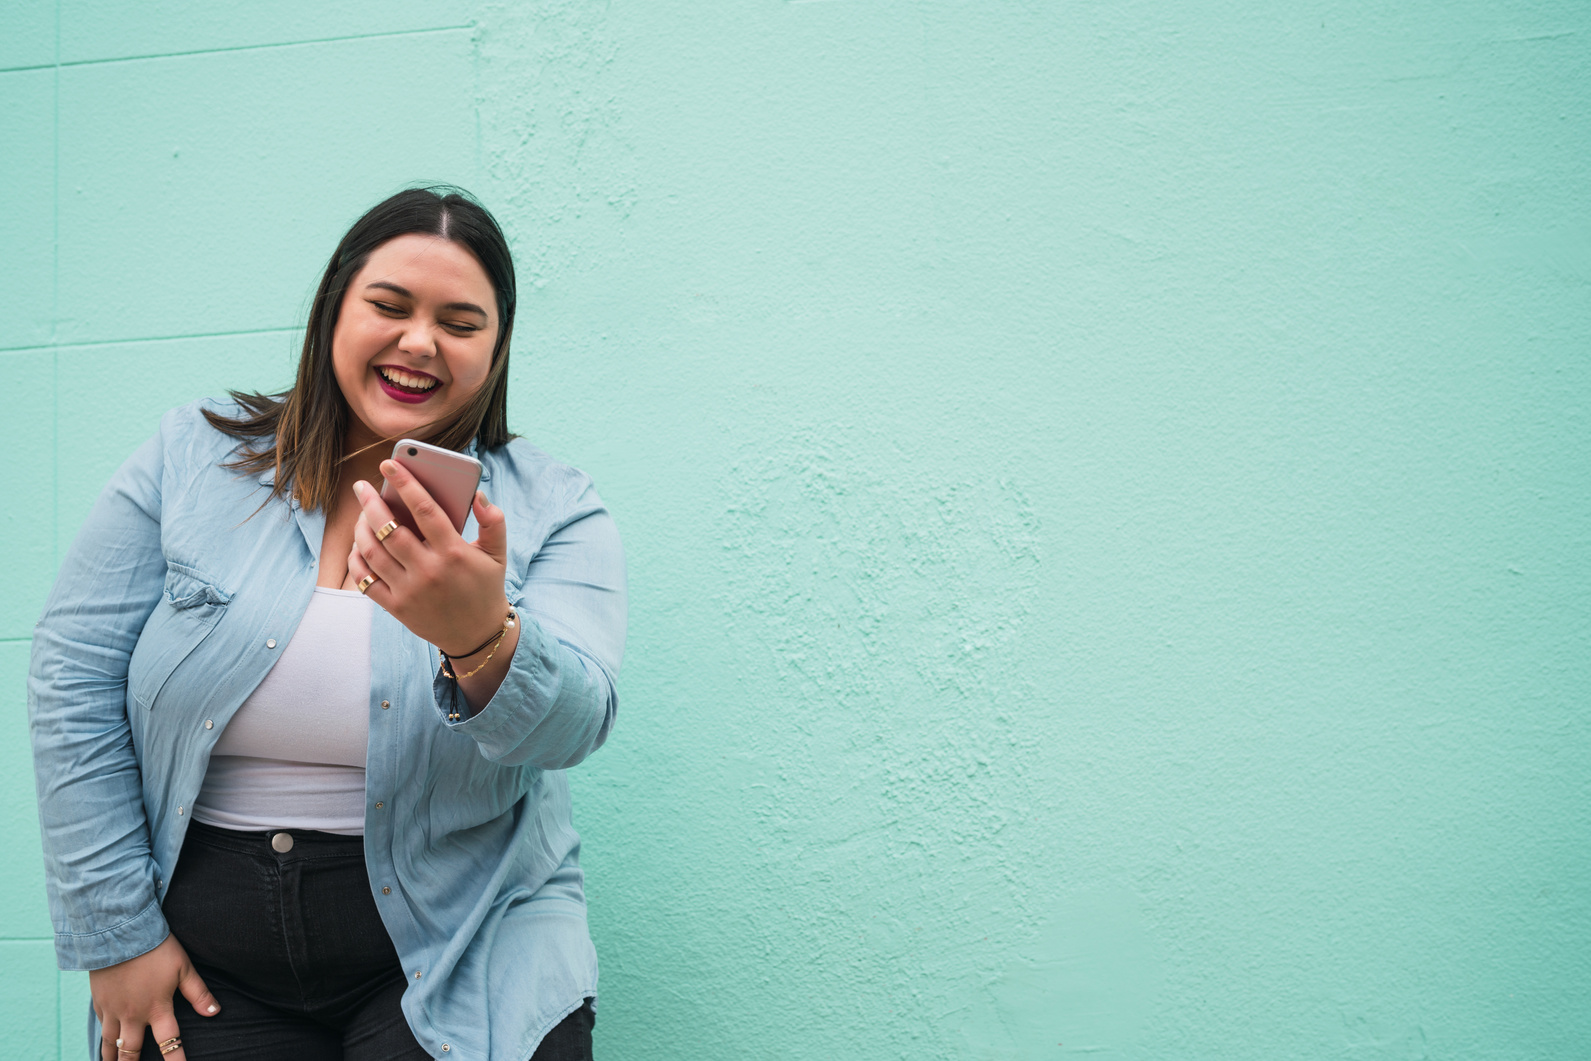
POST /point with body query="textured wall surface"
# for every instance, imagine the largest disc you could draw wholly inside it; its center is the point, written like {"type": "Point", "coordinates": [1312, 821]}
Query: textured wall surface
{"type": "Point", "coordinates": [1105, 485]}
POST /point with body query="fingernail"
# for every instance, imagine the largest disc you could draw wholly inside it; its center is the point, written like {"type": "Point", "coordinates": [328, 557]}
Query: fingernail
{"type": "Point", "coordinates": [211, 1008]}
{"type": "Point", "coordinates": [389, 467]}
{"type": "Point", "coordinates": [359, 488]}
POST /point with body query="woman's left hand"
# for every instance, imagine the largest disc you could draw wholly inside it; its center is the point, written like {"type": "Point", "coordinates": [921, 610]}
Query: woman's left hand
{"type": "Point", "coordinates": [445, 589]}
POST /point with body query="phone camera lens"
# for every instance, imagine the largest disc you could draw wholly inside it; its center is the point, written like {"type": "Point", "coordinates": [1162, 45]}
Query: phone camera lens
{"type": "Point", "coordinates": [413, 452]}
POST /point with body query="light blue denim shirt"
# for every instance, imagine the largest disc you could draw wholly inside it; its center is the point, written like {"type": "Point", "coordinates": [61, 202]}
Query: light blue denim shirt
{"type": "Point", "coordinates": [175, 600]}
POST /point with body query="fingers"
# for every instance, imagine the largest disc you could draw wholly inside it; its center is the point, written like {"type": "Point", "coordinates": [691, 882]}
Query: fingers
{"type": "Point", "coordinates": [198, 995]}
{"type": "Point", "coordinates": [401, 543]}
{"type": "Point", "coordinates": [493, 539]}
{"type": "Point", "coordinates": [124, 1044]}
{"type": "Point", "coordinates": [163, 1029]}
{"type": "Point", "coordinates": [428, 515]}
{"type": "Point", "coordinates": [375, 555]}
{"type": "Point", "coordinates": [377, 590]}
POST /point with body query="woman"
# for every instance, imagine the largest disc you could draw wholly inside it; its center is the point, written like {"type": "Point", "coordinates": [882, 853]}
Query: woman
{"type": "Point", "coordinates": [276, 822]}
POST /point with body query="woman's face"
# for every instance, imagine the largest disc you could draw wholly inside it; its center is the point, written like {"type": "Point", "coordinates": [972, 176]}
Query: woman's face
{"type": "Point", "coordinates": [414, 337]}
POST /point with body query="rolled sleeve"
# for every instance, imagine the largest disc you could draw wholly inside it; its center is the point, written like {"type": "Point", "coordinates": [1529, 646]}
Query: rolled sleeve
{"type": "Point", "coordinates": [558, 701]}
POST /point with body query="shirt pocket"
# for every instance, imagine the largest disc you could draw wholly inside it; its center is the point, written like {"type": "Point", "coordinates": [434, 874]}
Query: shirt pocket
{"type": "Point", "coordinates": [188, 610]}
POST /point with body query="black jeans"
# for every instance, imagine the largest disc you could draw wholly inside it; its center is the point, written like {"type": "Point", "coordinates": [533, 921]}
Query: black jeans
{"type": "Point", "coordinates": [292, 947]}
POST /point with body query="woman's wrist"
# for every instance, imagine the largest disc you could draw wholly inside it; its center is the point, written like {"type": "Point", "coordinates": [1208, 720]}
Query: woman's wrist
{"type": "Point", "coordinates": [505, 637]}
{"type": "Point", "coordinates": [499, 624]}
{"type": "Point", "coordinates": [480, 681]}
{"type": "Point", "coordinates": [477, 650]}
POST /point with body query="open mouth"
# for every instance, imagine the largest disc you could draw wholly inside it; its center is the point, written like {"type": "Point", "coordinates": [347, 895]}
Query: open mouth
{"type": "Point", "coordinates": [406, 386]}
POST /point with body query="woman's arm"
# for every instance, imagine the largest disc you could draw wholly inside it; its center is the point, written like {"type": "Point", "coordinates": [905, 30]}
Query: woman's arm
{"type": "Point", "coordinates": [98, 864]}
{"type": "Point", "coordinates": [546, 697]}
{"type": "Point", "coordinates": [99, 870]}
{"type": "Point", "coordinates": [557, 698]}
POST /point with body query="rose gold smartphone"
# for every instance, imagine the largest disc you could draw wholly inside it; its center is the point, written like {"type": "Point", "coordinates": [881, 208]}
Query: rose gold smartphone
{"type": "Point", "coordinates": [450, 478]}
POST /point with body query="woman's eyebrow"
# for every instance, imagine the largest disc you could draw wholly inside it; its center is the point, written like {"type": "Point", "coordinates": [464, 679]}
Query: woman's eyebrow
{"type": "Point", "coordinates": [387, 285]}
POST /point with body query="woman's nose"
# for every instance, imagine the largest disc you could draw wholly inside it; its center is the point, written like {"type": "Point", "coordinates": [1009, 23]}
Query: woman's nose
{"type": "Point", "coordinates": [418, 339]}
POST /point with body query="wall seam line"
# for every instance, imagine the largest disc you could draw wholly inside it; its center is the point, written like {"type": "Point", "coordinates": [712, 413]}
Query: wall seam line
{"type": "Point", "coordinates": [55, 361]}
{"type": "Point", "coordinates": [146, 339]}
{"type": "Point", "coordinates": [262, 47]}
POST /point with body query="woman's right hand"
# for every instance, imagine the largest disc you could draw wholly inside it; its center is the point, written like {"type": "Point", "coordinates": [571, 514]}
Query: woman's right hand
{"type": "Point", "coordinates": [137, 994]}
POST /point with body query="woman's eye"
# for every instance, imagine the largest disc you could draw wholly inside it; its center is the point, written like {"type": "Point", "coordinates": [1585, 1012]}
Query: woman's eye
{"type": "Point", "coordinates": [386, 307]}
{"type": "Point", "coordinates": [460, 327]}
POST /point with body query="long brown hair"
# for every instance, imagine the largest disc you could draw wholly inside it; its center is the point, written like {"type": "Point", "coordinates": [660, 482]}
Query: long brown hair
{"type": "Point", "coordinates": [300, 433]}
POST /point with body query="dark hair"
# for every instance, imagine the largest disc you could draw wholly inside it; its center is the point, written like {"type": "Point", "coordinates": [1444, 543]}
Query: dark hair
{"type": "Point", "coordinates": [301, 432]}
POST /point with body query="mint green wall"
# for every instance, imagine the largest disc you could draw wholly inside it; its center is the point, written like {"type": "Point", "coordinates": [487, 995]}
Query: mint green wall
{"type": "Point", "coordinates": [1105, 485]}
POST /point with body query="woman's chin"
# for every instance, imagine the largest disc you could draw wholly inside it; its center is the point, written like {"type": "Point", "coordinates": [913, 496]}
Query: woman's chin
{"type": "Point", "coordinates": [371, 430]}
{"type": "Point", "coordinates": [390, 419]}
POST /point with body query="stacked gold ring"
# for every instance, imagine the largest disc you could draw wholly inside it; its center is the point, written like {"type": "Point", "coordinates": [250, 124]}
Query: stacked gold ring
{"type": "Point", "coordinates": [386, 529]}
{"type": "Point", "coordinates": [366, 582]}
{"type": "Point", "coordinates": [170, 1045]}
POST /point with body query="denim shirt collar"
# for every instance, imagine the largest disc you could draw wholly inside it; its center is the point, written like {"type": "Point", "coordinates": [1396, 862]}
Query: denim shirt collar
{"type": "Point", "coordinates": [268, 476]}
{"type": "Point", "coordinates": [312, 523]}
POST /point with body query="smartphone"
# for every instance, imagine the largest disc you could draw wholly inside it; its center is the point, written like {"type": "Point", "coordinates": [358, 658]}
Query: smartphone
{"type": "Point", "coordinates": [450, 478]}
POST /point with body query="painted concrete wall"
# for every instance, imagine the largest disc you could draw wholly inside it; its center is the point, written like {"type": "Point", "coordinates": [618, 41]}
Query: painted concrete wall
{"type": "Point", "coordinates": [1105, 484]}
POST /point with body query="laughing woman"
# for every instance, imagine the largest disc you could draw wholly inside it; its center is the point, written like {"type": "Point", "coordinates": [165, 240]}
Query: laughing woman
{"type": "Point", "coordinates": [281, 817]}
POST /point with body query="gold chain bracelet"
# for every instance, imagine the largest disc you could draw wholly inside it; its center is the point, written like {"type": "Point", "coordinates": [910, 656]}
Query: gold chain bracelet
{"type": "Point", "coordinates": [447, 669]}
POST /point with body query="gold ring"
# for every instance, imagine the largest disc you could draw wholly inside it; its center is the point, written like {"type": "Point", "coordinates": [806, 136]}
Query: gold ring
{"type": "Point", "coordinates": [366, 582]}
{"type": "Point", "coordinates": [386, 529]}
{"type": "Point", "coordinates": [170, 1045]}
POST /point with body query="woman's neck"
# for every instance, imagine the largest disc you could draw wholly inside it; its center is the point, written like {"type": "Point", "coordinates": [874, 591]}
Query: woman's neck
{"type": "Point", "coordinates": [363, 454]}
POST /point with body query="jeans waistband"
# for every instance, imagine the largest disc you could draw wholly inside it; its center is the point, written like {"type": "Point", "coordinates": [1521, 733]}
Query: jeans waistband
{"type": "Point", "coordinates": [253, 840]}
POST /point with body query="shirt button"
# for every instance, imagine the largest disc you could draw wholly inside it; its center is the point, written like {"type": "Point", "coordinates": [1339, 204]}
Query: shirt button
{"type": "Point", "coordinates": [209, 723]}
{"type": "Point", "coordinates": [271, 643]}
{"type": "Point", "coordinates": [446, 1048]}
{"type": "Point", "coordinates": [282, 843]}
{"type": "Point", "coordinates": [386, 890]}
{"type": "Point", "coordinates": [179, 810]}
{"type": "Point", "coordinates": [379, 804]}
{"type": "Point", "coordinates": [385, 704]}
{"type": "Point", "coordinates": [417, 974]}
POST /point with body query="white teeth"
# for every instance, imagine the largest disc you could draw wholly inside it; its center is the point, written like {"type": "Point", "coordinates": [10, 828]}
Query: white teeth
{"type": "Point", "coordinates": [404, 379]}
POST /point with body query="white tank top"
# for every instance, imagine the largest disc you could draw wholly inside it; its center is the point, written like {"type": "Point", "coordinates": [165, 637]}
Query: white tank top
{"type": "Point", "coordinates": [293, 757]}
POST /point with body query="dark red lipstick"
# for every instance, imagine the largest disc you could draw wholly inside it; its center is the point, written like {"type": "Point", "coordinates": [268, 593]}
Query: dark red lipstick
{"type": "Point", "coordinates": [408, 395]}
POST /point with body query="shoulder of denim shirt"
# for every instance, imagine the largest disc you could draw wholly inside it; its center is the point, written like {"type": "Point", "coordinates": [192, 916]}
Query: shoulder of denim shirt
{"type": "Point", "coordinates": [191, 440]}
{"type": "Point", "coordinates": [521, 475]}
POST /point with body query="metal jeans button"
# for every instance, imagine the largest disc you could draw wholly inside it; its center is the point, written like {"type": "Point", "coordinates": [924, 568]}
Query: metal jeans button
{"type": "Point", "coordinates": [282, 843]}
